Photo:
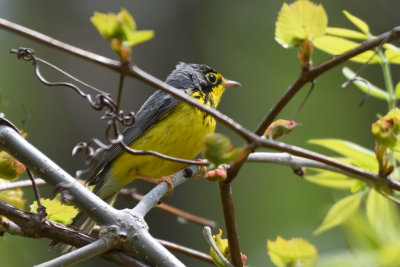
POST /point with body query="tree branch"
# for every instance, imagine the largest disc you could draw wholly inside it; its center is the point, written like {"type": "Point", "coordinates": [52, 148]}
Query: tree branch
{"type": "Point", "coordinates": [305, 77]}
{"type": "Point", "coordinates": [311, 74]}
{"type": "Point", "coordinates": [123, 69]}
{"type": "Point", "coordinates": [29, 226]}
{"type": "Point", "coordinates": [136, 237]}
{"type": "Point", "coordinates": [132, 194]}
{"type": "Point", "coordinates": [89, 251]}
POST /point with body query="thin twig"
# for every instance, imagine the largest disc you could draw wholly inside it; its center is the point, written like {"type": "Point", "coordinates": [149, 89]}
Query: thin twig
{"type": "Point", "coordinates": [7, 226]}
{"type": "Point", "coordinates": [132, 194]}
{"type": "Point", "coordinates": [41, 210]}
{"type": "Point", "coordinates": [89, 251]}
{"type": "Point", "coordinates": [97, 90]}
{"type": "Point", "coordinates": [208, 236]}
{"type": "Point", "coordinates": [159, 155]}
{"type": "Point", "coordinates": [186, 251]}
{"type": "Point", "coordinates": [21, 184]}
{"type": "Point", "coordinates": [153, 197]}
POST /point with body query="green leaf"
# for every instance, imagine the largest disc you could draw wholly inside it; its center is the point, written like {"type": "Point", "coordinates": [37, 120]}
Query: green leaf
{"type": "Point", "coordinates": [340, 212]}
{"type": "Point", "coordinates": [336, 45]}
{"type": "Point", "coordinates": [358, 155]}
{"type": "Point", "coordinates": [301, 20]}
{"type": "Point", "coordinates": [218, 149]}
{"type": "Point", "coordinates": [383, 216]}
{"type": "Point", "coordinates": [359, 23]}
{"type": "Point", "coordinates": [346, 33]}
{"type": "Point", "coordinates": [366, 87]}
{"type": "Point", "coordinates": [13, 197]}
{"type": "Point", "coordinates": [331, 179]}
{"type": "Point", "coordinates": [290, 252]}
{"type": "Point", "coordinates": [56, 211]}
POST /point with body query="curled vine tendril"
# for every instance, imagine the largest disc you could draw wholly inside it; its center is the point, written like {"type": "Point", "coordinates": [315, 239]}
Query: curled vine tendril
{"type": "Point", "coordinates": [94, 150]}
{"type": "Point", "coordinates": [99, 102]}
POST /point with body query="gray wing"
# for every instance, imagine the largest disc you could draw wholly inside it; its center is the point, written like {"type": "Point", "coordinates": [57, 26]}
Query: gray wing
{"type": "Point", "coordinates": [156, 107]}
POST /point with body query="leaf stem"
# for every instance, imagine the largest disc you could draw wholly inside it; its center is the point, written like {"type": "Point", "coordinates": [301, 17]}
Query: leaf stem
{"type": "Point", "coordinates": [388, 80]}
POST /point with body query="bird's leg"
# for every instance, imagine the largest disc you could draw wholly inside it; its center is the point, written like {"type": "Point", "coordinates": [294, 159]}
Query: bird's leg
{"type": "Point", "coordinates": [166, 179]}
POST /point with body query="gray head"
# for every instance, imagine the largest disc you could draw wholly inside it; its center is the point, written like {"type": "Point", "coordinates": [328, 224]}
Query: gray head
{"type": "Point", "coordinates": [193, 76]}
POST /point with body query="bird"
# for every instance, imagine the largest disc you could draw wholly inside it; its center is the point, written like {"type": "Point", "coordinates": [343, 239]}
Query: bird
{"type": "Point", "coordinates": [166, 125]}
{"type": "Point", "coordinates": [163, 124]}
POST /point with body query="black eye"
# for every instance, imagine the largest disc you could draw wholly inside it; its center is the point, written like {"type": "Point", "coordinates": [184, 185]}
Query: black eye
{"type": "Point", "coordinates": [211, 78]}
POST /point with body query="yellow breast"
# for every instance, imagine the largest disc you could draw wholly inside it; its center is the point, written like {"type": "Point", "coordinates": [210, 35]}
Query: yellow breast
{"type": "Point", "coordinates": [180, 134]}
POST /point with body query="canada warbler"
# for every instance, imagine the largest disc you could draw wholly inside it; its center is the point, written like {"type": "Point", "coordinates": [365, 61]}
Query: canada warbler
{"type": "Point", "coordinates": [166, 125]}
{"type": "Point", "coordinates": [163, 124]}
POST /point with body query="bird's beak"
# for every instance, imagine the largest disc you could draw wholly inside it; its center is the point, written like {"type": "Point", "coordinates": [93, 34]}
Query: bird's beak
{"type": "Point", "coordinates": [229, 83]}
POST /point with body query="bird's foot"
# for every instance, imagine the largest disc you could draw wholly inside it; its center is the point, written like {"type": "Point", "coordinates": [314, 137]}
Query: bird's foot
{"type": "Point", "coordinates": [166, 179]}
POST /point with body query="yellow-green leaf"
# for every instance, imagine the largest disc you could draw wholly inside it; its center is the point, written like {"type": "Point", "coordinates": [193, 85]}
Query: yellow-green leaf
{"type": "Point", "coordinates": [10, 168]}
{"type": "Point", "coordinates": [289, 252]}
{"type": "Point", "coordinates": [331, 179]}
{"type": "Point", "coordinates": [13, 197]}
{"type": "Point", "coordinates": [383, 216]}
{"type": "Point", "coordinates": [397, 90]}
{"type": "Point", "coordinates": [386, 130]}
{"type": "Point", "coordinates": [336, 45]}
{"type": "Point", "coordinates": [120, 30]}
{"type": "Point", "coordinates": [301, 20]}
{"type": "Point", "coordinates": [340, 212]}
{"type": "Point", "coordinates": [366, 86]}
{"type": "Point", "coordinates": [140, 37]}
{"type": "Point", "coordinates": [56, 211]}
{"type": "Point", "coordinates": [389, 254]}
{"type": "Point", "coordinates": [222, 245]}
{"type": "Point", "coordinates": [359, 232]}
{"type": "Point", "coordinates": [106, 24]}
{"type": "Point", "coordinates": [342, 32]}
{"type": "Point", "coordinates": [359, 23]}
{"type": "Point", "coordinates": [392, 53]}
{"type": "Point", "coordinates": [358, 155]}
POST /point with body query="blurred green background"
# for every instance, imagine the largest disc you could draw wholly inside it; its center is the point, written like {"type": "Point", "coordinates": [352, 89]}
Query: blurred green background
{"type": "Point", "coordinates": [237, 39]}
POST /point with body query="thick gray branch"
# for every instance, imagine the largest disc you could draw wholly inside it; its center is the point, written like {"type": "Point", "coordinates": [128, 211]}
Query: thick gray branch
{"type": "Point", "coordinates": [127, 226]}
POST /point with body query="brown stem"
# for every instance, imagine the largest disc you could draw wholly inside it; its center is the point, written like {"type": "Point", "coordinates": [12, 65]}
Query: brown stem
{"type": "Point", "coordinates": [230, 223]}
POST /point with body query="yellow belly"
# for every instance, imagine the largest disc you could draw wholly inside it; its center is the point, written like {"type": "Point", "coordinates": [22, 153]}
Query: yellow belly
{"type": "Point", "coordinates": [179, 135]}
